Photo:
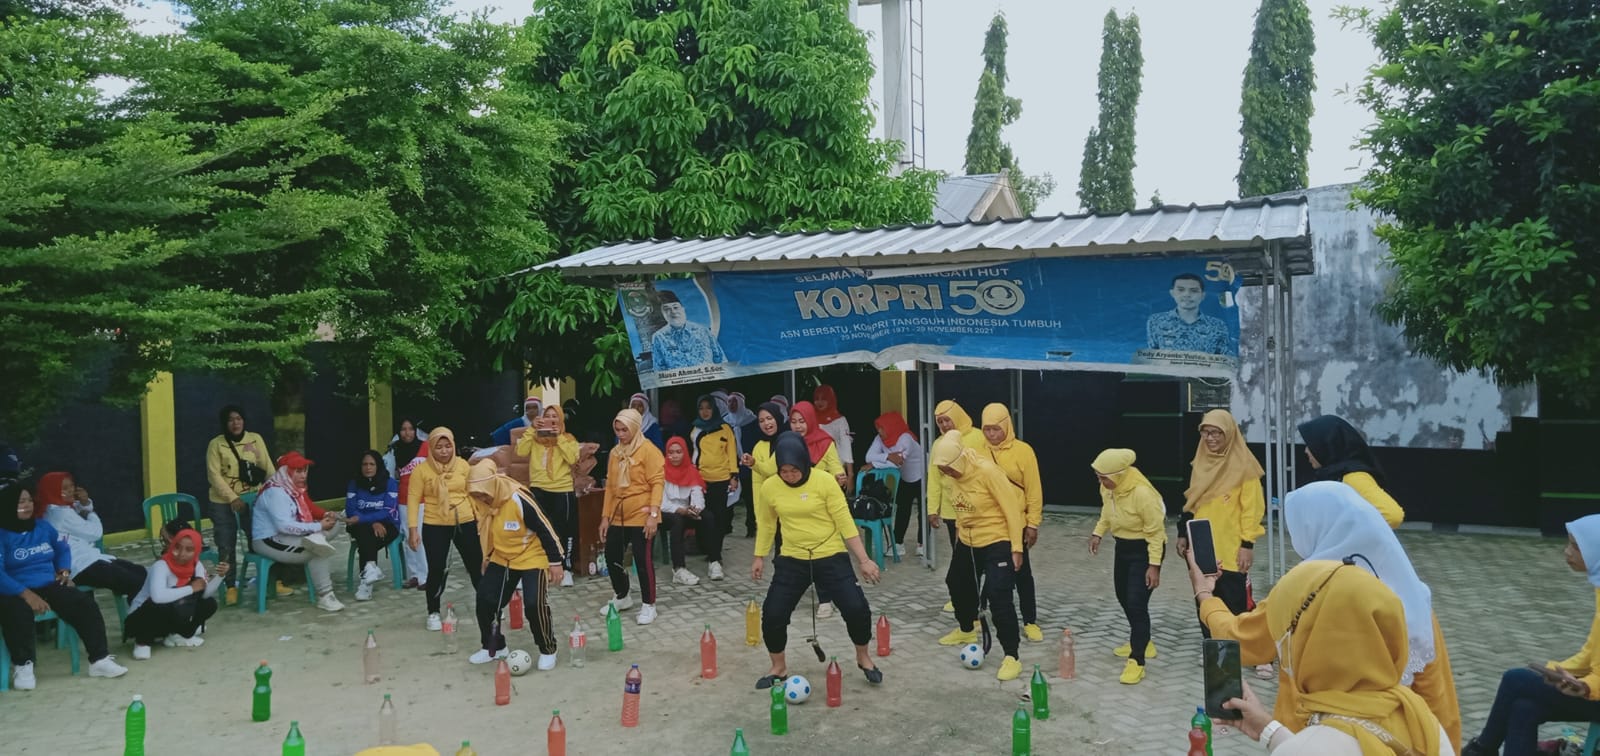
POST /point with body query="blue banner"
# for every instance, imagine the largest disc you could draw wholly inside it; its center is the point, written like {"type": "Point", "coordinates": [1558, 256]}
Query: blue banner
{"type": "Point", "coordinates": [1172, 316]}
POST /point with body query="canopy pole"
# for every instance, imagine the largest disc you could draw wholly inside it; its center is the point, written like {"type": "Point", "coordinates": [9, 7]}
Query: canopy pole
{"type": "Point", "coordinates": [927, 429]}
{"type": "Point", "coordinates": [1016, 402]}
{"type": "Point", "coordinates": [1277, 397]}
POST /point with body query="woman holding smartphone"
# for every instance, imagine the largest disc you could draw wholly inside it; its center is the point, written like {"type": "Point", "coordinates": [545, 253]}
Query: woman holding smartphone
{"type": "Point", "coordinates": [551, 453]}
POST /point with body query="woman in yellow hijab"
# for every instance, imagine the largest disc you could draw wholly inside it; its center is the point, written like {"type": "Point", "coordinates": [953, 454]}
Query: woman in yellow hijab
{"type": "Point", "coordinates": [1343, 646]}
{"type": "Point", "coordinates": [1021, 466]}
{"type": "Point", "coordinates": [1132, 512]}
{"type": "Point", "coordinates": [437, 495]}
{"type": "Point", "coordinates": [520, 548]}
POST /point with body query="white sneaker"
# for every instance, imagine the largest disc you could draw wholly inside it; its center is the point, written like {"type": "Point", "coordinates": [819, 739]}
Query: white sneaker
{"type": "Point", "coordinates": [647, 614]}
{"type": "Point", "coordinates": [921, 551]}
{"type": "Point", "coordinates": [566, 580]}
{"type": "Point", "coordinates": [171, 641]}
{"type": "Point", "coordinates": [626, 602]}
{"type": "Point", "coordinates": [716, 571]}
{"type": "Point", "coordinates": [179, 641]}
{"type": "Point", "coordinates": [142, 653]}
{"type": "Point", "coordinates": [683, 576]}
{"type": "Point", "coordinates": [22, 676]}
{"type": "Point", "coordinates": [371, 573]}
{"type": "Point", "coordinates": [364, 591]}
{"type": "Point", "coordinates": [329, 603]}
{"type": "Point", "coordinates": [107, 667]}
{"type": "Point", "coordinates": [824, 611]}
{"type": "Point", "coordinates": [434, 623]}
{"type": "Point", "coordinates": [482, 656]}
{"type": "Point", "coordinates": [547, 662]}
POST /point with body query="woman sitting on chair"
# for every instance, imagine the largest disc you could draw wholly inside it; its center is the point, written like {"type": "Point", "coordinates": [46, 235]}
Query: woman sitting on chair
{"type": "Point", "coordinates": [67, 507]}
{"type": "Point", "coordinates": [372, 517]}
{"type": "Point", "coordinates": [177, 598]}
{"type": "Point", "coordinates": [291, 529]}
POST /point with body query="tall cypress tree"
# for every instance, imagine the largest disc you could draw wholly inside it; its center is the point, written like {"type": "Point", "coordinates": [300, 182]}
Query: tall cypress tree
{"type": "Point", "coordinates": [1105, 184]}
{"type": "Point", "coordinates": [992, 111]}
{"type": "Point", "coordinates": [1276, 104]}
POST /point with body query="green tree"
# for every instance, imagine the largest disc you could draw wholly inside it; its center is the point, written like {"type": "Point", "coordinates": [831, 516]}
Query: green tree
{"type": "Point", "coordinates": [1105, 185]}
{"type": "Point", "coordinates": [1486, 163]}
{"type": "Point", "coordinates": [1276, 104]}
{"type": "Point", "coordinates": [992, 111]}
{"type": "Point", "coordinates": [696, 117]}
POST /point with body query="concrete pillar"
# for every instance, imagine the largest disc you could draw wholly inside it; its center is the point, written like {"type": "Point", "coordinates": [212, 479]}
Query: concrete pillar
{"type": "Point", "coordinates": [380, 415]}
{"type": "Point", "coordinates": [158, 433]}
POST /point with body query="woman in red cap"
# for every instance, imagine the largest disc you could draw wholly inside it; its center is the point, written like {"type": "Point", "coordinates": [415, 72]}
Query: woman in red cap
{"type": "Point", "coordinates": [289, 528]}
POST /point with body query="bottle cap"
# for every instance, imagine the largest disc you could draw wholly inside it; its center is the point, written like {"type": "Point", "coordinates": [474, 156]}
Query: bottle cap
{"type": "Point", "coordinates": [263, 662]}
{"type": "Point", "coordinates": [138, 697]}
{"type": "Point", "coordinates": [556, 712]}
{"type": "Point", "coordinates": [386, 696]}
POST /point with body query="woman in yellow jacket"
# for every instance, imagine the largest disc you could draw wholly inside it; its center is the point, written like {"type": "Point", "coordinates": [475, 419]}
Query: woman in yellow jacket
{"type": "Point", "coordinates": [1329, 521]}
{"type": "Point", "coordinates": [635, 479]}
{"type": "Point", "coordinates": [1021, 466]}
{"type": "Point", "coordinates": [230, 457]}
{"type": "Point", "coordinates": [771, 420]}
{"type": "Point", "coordinates": [812, 512]}
{"type": "Point", "coordinates": [1564, 691]}
{"type": "Point", "coordinates": [824, 456]}
{"type": "Point", "coordinates": [1225, 490]}
{"type": "Point", "coordinates": [438, 497]}
{"type": "Point", "coordinates": [1337, 451]}
{"type": "Point", "coordinates": [551, 453]}
{"type": "Point", "coordinates": [949, 416]}
{"type": "Point", "coordinates": [716, 454]}
{"type": "Point", "coordinates": [1132, 512]}
{"type": "Point", "coordinates": [520, 547]}
{"type": "Point", "coordinates": [990, 521]}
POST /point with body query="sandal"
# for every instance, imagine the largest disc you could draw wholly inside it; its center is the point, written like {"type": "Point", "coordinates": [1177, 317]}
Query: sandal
{"type": "Point", "coordinates": [874, 675]}
{"type": "Point", "coordinates": [765, 682]}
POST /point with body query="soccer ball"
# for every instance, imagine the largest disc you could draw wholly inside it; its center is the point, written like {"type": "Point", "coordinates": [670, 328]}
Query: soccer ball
{"type": "Point", "coordinates": [520, 662]}
{"type": "Point", "coordinates": [797, 689]}
{"type": "Point", "coordinates": [972, 656]}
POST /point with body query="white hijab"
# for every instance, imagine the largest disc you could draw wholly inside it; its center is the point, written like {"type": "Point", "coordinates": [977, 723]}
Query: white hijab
{"type": "Point", "coordinates": [1328, 520]}
{"type": "Point", "coordinates": [1586, 531]}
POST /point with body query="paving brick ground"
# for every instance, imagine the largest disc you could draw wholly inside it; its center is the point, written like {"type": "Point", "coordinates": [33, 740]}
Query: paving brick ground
{"type": "Point", "coordinates": [1503, 601]}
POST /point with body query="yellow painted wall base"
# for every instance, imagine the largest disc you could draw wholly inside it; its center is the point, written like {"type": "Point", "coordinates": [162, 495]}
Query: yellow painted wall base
{"type": "Point", "coordinates": [158, 433]}
{"type": "Point", "coordinates": [380, 408]}
{"type": "Point", "coordinates": [892, 391]}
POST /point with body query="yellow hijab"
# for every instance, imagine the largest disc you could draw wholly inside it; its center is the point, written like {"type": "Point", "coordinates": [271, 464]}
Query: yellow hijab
{"type": "Point", "coordinates": [1217, 474]}
{"type": "Point", "coordinates": [948, 451]}
{"type": "Point", "coordinates": [622, 453]}
{"type": "Point", "coordinates": [959, 417]}
{"type": "Point", "coordinates": [1346, 654]}
{"type": "Point", "coordinates": [549, 442]}
{"type": "Point", "coordinates": [996, 414]}
{"type": "Point", "coordinates": [443, 469]}
{"type": "Point", "coordinates": [1117, 464]}
{"type": "Point", "coordinates": [486, 478]}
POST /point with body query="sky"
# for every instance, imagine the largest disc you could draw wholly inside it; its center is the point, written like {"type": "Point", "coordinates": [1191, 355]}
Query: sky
{"type": "Point", "coordinates": [1188, 122]}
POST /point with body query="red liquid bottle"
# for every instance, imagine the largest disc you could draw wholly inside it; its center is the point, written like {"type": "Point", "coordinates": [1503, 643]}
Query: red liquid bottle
{"type": "Point", "coordinates": [883, 635]}
{"type": "Point", "coordinates": [502, 683]}
{"type": "Point", "coordinates": [708, 654]}
{"type": "Point", "coordinates": [1197, 742]}
{"type": "Point", "coordinates": [630, 697]}
{"type": "Point", "coordinates": [835, 683]}
{"type": "Point", "coordinates": [556, 736]}
{"type": "Point", "coordinates": [515, 608]}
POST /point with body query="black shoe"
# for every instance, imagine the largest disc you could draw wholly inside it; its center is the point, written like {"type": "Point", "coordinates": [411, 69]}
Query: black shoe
{"type": "Point", "coordinates": [1473, 748]}
{"type": "Point", "coordinates": [874, 675]}
{"type": "Point", "coordinates": [766, 682]}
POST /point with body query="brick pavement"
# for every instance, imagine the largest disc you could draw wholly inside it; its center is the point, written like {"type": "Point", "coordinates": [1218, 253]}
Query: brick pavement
{"type": "Point", "coordinates": [200, 698]}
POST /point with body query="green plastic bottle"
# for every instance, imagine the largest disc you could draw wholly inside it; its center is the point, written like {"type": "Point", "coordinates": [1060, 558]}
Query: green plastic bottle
{"type": "Point", "coordinates": [1021, 733]}
{"type": "Point", "coordinates": [1040, 693]}
{"type": "Point", "coordinates": [780, 711]}
{"type": "Point", "coordinates": [1202, 721]}
{"type": "Point", "coordinates": [613, 628]}
{"type": "Point", "coordinates": [261, 700]}
{"type": "Point", "coordinates": [739, 746]}
{"type": "Point", "coordinates": [133, 728]}
{"type": "Point", "coordinates": [294, 745]}
{"type": "Point", "coordinates": [466, 749]}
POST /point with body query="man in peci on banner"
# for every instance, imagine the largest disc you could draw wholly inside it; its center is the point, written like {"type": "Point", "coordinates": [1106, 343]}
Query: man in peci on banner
{"type": "Point", "coordinates": [1184, 328]}
{"type": "Point", "coordinates": [680, 343]}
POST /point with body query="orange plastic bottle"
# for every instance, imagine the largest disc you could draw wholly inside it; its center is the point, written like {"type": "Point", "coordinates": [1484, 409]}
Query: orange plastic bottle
{"type": "Point", "coordinates": [708, 654]}
{"type": "Point", "coordinates": [556, 736]}
{"type": "Point", "coordinates": [883, 635]}
{"type": "Point", "coordinates": [515, 609]}
{"type": "Point", "coordinates": [1068, 662]}
{"type": "Point", "coordinates": [630, 697]}
{"type": "Point", "coordinates": [502, 683]}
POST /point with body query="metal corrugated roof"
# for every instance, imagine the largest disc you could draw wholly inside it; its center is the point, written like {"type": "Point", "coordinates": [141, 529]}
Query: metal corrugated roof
{"type": "Point", "coordinates": [958, 197]}
{"type": "Point", "coordinates": [1237, 229]}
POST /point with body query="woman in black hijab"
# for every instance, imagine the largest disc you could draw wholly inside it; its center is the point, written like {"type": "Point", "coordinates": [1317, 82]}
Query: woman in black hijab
{"type": "Point", "coordinates": [372, 516]}
{"type": "Point", "coordinates": [1338, 452]}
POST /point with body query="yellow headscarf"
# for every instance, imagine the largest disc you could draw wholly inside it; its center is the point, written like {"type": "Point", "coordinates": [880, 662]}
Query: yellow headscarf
{"type": "Point", "coordinates": [1346, 655]}
{"type": "Point", "coordinates": [622, 453]}
{"type": "Point", "coordinates": [1117, 464]}
{"type": "Point", "coordinates": [948, 451]}
{"type": "Point", "coordinates": [485, 477]}
{"type": "Point", "coordinates": [997, 414]}
{"type": "Point", "coordinates": [443, 470]}
{"type": "Point", "coordinates": [1217, 474]}
{"type": "Point", "coordinates": [549, 442]}
{"type": "Point", "coordinates": [948, 408]}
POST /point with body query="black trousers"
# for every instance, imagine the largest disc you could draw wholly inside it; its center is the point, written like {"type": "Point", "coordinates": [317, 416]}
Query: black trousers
{"type": "Point", "coordinates": [1234, 591]}
{"type": "Point", "coordinates": [713, 521]}
{"type": "Point", "coordinates": [369, 543]}
{"type": "Point", "coordinates": [790, 579]}
{"type": "Point", "coordinates": [152, 622]}
{"type": "Point", "coordinates": [1130, 562]}
{"type": "Point", "coordinates": [119, 576]}
{"type": "Point", "coordinates": [907, 503]}
{"type": "Point", "coordinates": [991, 564]}
{"type": "Point", "coordinates": [747, 495]}
{"type": "Point", "coordinates": [675, 524]}
{"type": "Point", "coordinates": [618, 539]}
{"type": "Point", "coordinates": [225, 534]}
{"type": "Point", "coordinates": [76, 607]}
{"type": "Point", "coordinates": [494, 593]}
{"type": "Point", "coordinates": [436, 540]}
{"type": "Point", "coordinates": [561, 508]}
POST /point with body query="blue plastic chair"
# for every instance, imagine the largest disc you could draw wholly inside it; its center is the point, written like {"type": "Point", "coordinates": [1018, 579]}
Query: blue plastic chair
{"type": "Point", "coordinates": [264, 580]}
{"type": "Point", "coordinates": [65, 636]}
{"type": "Point", "coordinates": [878, 532]}
{"type": "Point", "coordinates": [170, 506]}
{"type": "Point", "coordinates": [1593, 741]}
{"type": "Point", "coordinates": [397, 565]}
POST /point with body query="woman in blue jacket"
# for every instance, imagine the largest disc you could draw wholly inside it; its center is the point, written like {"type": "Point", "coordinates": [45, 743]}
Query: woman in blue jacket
{"type": "Point", "coordinates": [36, 577]}
{"type": "Point", "coordinates": [372, 517]}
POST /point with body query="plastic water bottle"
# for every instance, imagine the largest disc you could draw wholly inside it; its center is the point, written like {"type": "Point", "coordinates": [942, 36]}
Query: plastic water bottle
{"type": "Point", "coordinates": [740, 748]}
{"type": "Point", "coordinates": [502, 683]}
{"type": "Point", "coordinates": [261, 699]}
{"type": "Point", "coordinates": [577, 643]}
{"type": "Point", "coordinates": [630, 694]}
{"type": "Point", "coordinates": [387, 719]}
{"type": "Point", "coordinates": [594, 569]}
{"type": "Point", "coordinates": [370, 661]}
{"type": "Point", "coordinates": [1039, 691]}
{"type": "Point", "coordinates": [708, 654]}
{"type": "Point", "coordinates": [556, 736]}
{"type": "Point", "coordinates": [515, 609]}
{"type": "Point", "coordinates": [1021, 733]}
{"type": "Point", "coordinates": [1069, 664]}
{"type": "Point", "coordinates": [835, 683]}
{"type": "Point", "coordinates": [752, 624]}
{"type": "Point", "coordinates": [1202, 722]}
{"type": "Point", "coordinates": [466, 749]}
{"type": "Point", "coordinates": [133, 728]}
{"type": "Point", "coordinates": [780, 710]}
{"type": "Point", "coordinates": [1197, 742]}
{"type": "Point", "coordinates": [294, 744]}
{"type": "Point", "coordinates": [883, 635]}
{"type": "Point", "coordinates": [449, 628]}
{"type": "Point", "coordinates": [613, 628]}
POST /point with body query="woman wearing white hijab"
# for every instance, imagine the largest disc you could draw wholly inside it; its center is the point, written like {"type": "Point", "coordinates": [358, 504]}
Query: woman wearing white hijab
{"type": "Point", "coordinates": [1329, 521]}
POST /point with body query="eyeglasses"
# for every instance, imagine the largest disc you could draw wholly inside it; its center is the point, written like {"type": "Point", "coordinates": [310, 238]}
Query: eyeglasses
{"type": "Point", "coordinates": [1212, 434]}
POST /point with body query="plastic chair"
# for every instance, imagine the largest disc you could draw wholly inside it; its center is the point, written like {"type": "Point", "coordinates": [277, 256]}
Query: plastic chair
{"type": "Point", "coordinates": [122, 608]}
{"type": "Point", "coordinates": [65, 636]}
{"type": "Point", "coordinates": [1593, 741]}
{"type": "Point", "coordinates": [397, 565]}
{"type": "Point", "coordinates": [169, 505]}
{"type": "Point", "coordinates": [264, 579]}
{"type": "Point", "coordinates": [880, 531]}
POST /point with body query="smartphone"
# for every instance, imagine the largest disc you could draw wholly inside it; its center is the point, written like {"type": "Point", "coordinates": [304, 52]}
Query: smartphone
{"type": "Point", "coordinates": [1201, 545]}
{"type": "Point", "coordinates": [1223, 677]}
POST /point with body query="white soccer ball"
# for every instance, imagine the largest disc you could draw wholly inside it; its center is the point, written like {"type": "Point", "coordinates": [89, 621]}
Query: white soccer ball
{"type": "Point", "coordinates": [797, 689]}
{"type": "Point", "coordinates": [520, 662]}
{"type": "Point", "coordinates": [972, 656]}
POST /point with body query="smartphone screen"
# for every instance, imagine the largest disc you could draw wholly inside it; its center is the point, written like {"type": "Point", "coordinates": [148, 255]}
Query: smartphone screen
{"type": "Point", "coordinates": [1205, 551]}
{"type": "Point", "coordinates": [1223, 678]}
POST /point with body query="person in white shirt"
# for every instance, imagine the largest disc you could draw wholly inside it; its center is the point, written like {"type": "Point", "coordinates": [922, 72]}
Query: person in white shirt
{"type": "Point", "coordinates": [177, 598]}
{"type": "Point", "coordinates": [683, 498]}
{"type": "Point", "coordinates": [895, 448]}
{"type": "Point", "coordinates": [67, 507]}
{"type": "Point", "coordinates": [289, 528]}
{"type": "Point", "coordinates": [837, 426]}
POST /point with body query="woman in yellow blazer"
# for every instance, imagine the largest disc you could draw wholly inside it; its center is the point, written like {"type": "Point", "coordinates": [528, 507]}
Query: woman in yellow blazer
{"type": "Point", "coordinates": [437, 497]}
{"type": "Point", "coordinates": [1564, 691]}
{"type": "Point", "coordinates": [716, 453]}
{"type": "Point", "coordinates": [1132, 512]}
{"type": "Point", "coordinates": [1337, 451]}
{"type": "Point", "coordinates": [1021, 466]}
{"type": "Point", "coordinates": [551, 453]}
{"type": "Point", "coordinates": [635, 479]}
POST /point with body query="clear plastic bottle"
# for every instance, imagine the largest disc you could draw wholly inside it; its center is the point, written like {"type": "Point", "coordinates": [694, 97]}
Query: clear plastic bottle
{"type": "Point", "coordinates": [295, 743]}
{"type": "Point", "coordinates": [371, 664]}
{"type": "Point", "coordinates": [502, 683]}
{"type": "Point", "coordinates": [388, 720]}
{"type": "Point", "coordinates": [752, 624]}
{"type": "Point", "coordinates": [708, 654]}
{"type": "Point", "coordinates": [466, 749]}
{"type": "Point", "coordinates": [261, 697]}
{"type": "Point", "coordinates": [1069, 663]}
{"type": "Point", "coordinates": [133, 728]}
{"type": "Point", "coordinates": [577, 643]}
{"type": "Point", "coordinates": [449, 628]}
{"type": "Point", "coordinates": [631, 686]}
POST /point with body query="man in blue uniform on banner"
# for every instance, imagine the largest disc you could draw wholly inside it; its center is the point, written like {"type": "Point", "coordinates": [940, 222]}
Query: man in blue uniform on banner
{"type": "Point", "coordinates": [682, 344]}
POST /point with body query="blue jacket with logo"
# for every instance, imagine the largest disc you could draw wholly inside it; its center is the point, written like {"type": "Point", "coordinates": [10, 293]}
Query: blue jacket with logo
{"type": "Point", "coordinates": [386, 506]}
{"type": "Point", "coordinates": [31, 558]}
